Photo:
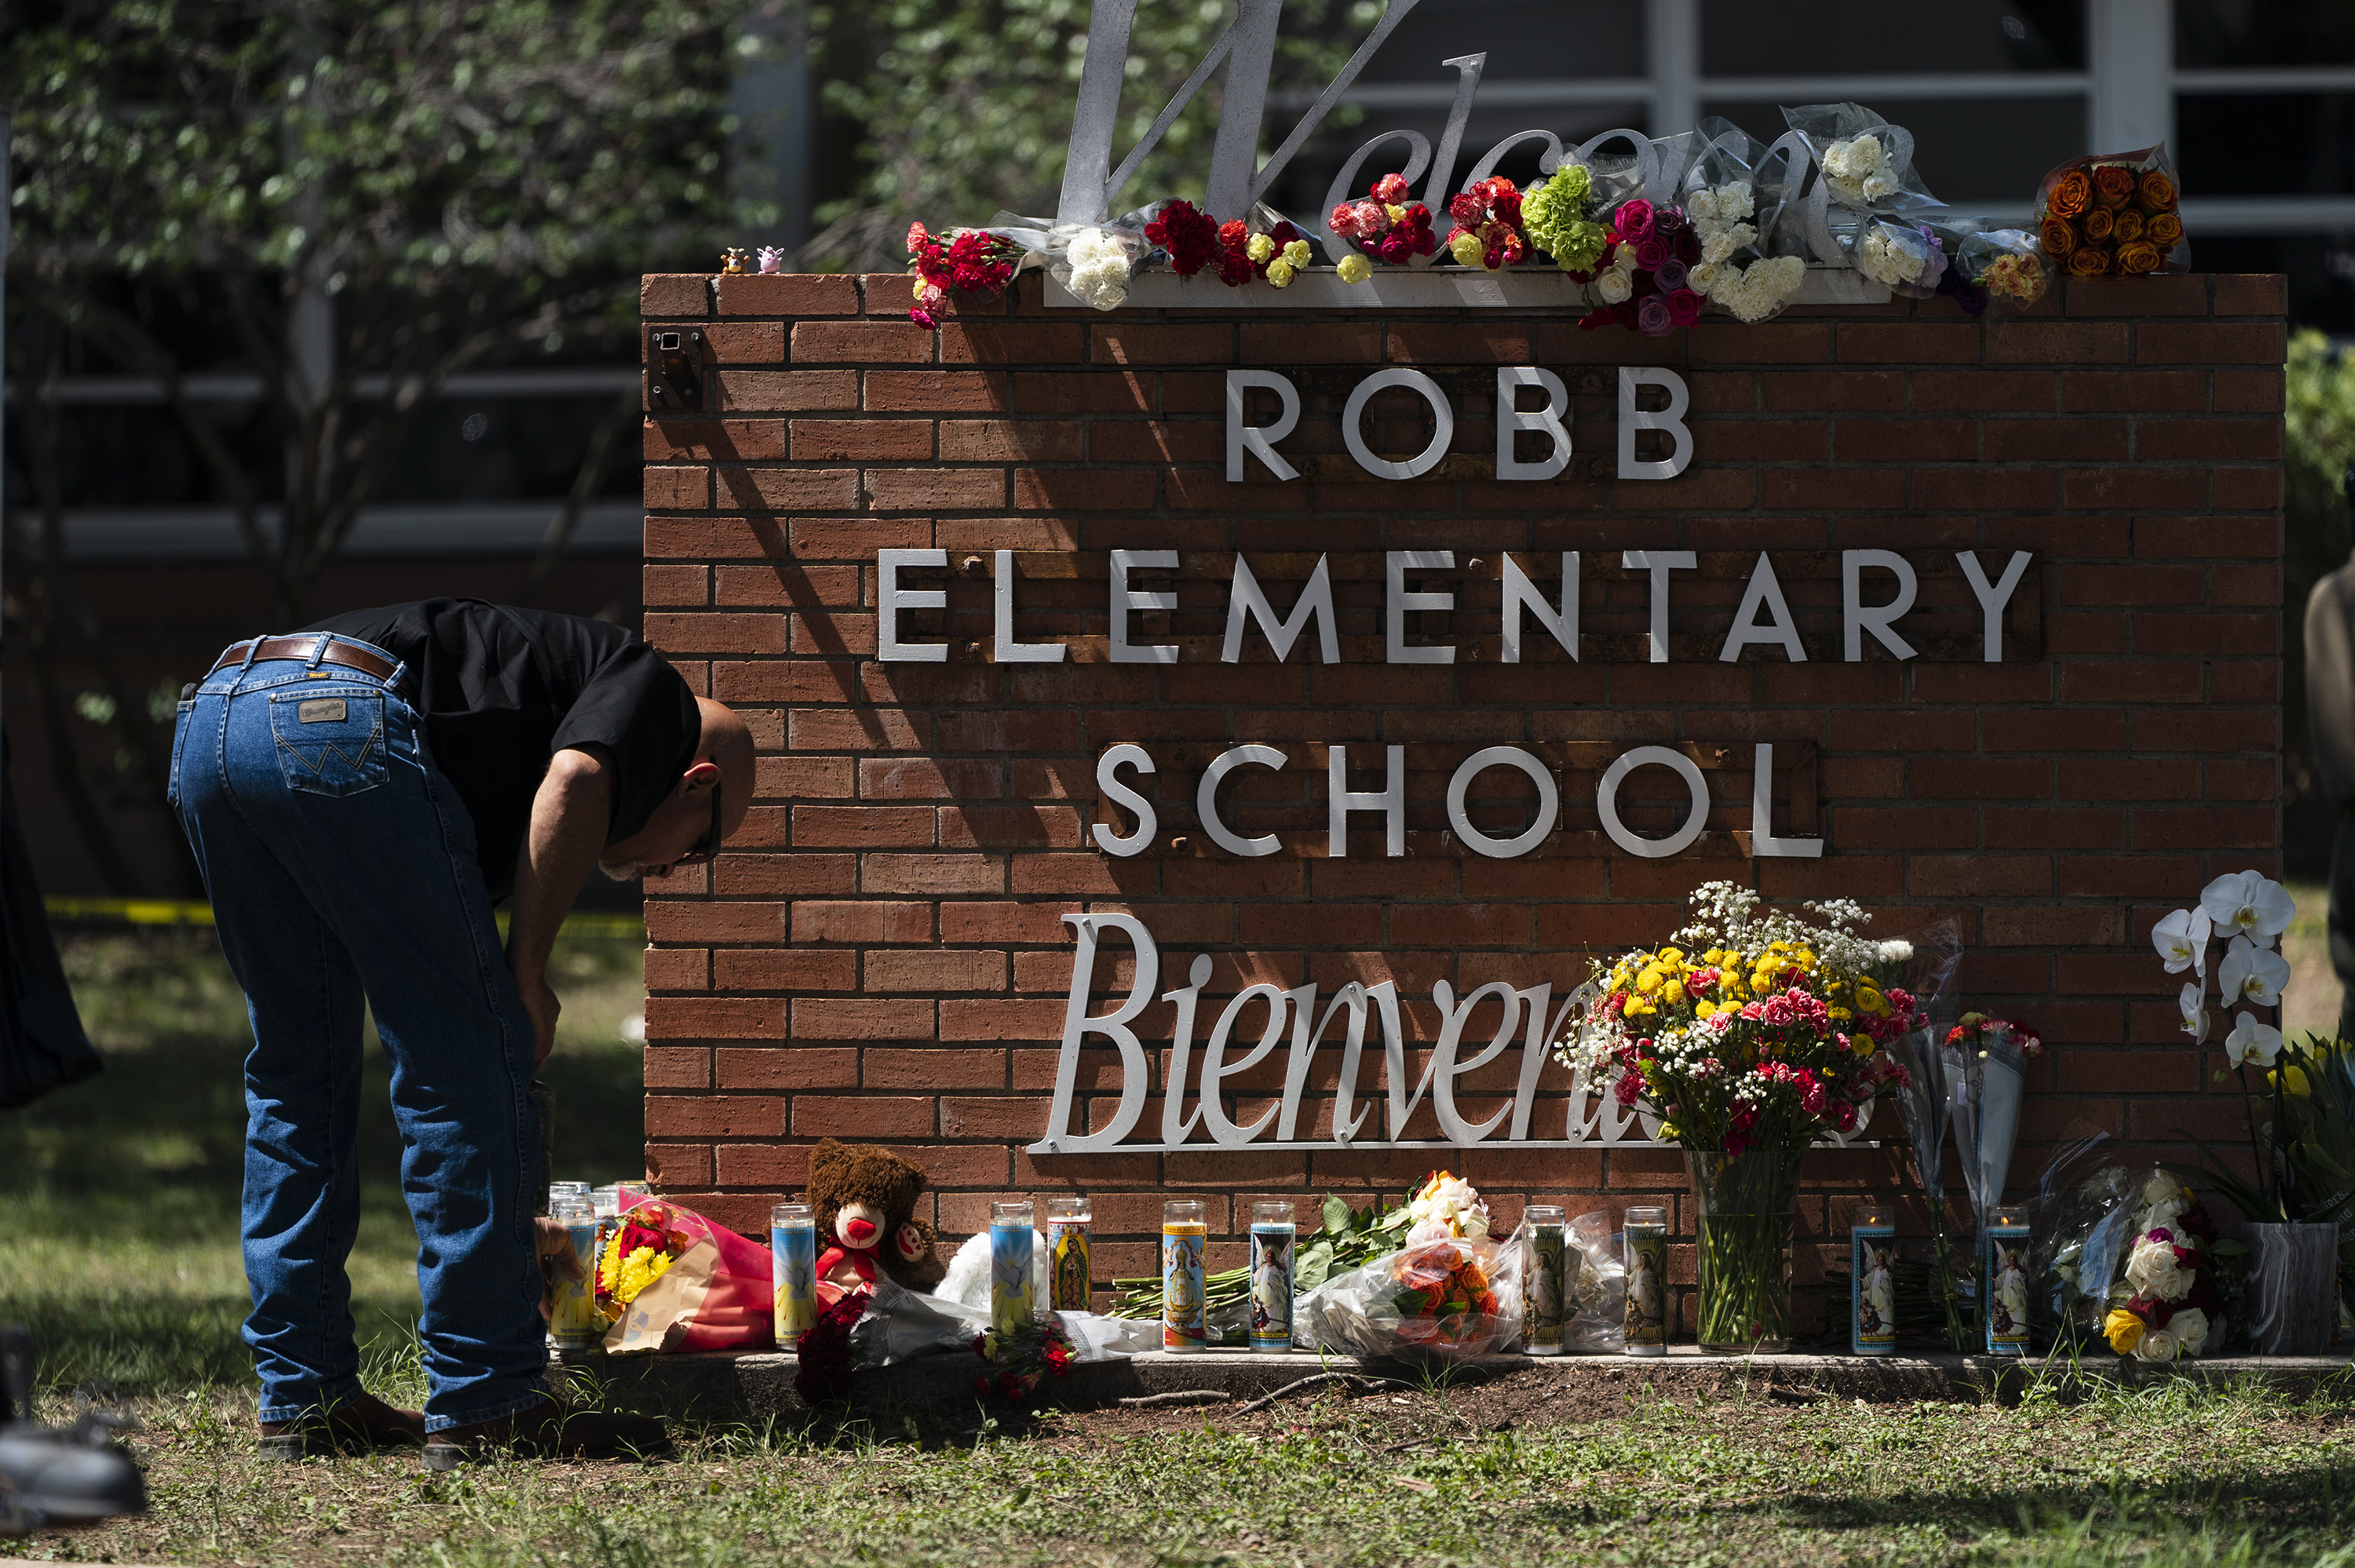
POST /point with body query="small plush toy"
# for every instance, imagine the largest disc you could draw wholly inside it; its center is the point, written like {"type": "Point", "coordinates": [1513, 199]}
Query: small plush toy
{"type": "Point", "coordinates": [773, 260]}
{"type": "Point", "coordinates": [866, 1196]}
{"type": "Point", "coordinates": [731, 261]}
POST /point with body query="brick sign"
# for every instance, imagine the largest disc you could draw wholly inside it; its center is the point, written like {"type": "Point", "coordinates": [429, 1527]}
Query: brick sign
{"type": "Point", "coordinates": [1146, 704]}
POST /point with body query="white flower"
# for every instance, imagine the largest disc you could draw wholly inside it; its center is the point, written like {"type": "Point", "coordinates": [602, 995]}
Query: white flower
{"type": "Point", "coordinates": [2160, 1188]}
{"type": "Point", "coordinates": [2251, 1041]}
{"type": "Point", "coordinates": [2251, 973]}
{"type": "Point", "coordinates": [1702, 205]}
{"type": "Point", "coordinates": [2157, 1345]}
{"type": "Point", "coordinates": [2182, 941]}
{"type": "Point", "coordinates": [2249, 904]}
{"type": "Point", "coordinates": [1447, 1206]}
{"type": "Point", "coordinates": [1702, 278]}
{"type": "Point", "coordinates": [1890, 255]}
{"type": "Point", "coordinates": [2195, 1017]}
{"type": "Point", "coordinates": [1099, 266]}
{"type": "Point", "coordinates": [2191, 1329]}
{"type": "Point", "coordinates": [1896, 950]}
{"type": "Point", "coordinates": [1880, 186]}
{"type": "Point", "coordinates": [1614, 287]}
{"type": "Point", "coordinates": [1854, 159]}
{"type": "Point", "coordinates": [2165, 1211]}
{"type": "Point", "coordinates": [2152, 1270]}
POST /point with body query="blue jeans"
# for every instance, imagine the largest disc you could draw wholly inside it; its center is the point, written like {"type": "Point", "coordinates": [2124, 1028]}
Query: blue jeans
{"type": "Point", "coordinates": [341, 864]}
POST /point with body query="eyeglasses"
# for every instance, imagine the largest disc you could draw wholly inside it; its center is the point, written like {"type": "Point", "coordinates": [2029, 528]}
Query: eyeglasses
{"type": "Point", "coordinates": [707, 847]}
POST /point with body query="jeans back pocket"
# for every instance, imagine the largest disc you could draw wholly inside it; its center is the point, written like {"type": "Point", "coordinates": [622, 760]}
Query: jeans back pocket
{"type": "Point", "coordinates": [329, 743]}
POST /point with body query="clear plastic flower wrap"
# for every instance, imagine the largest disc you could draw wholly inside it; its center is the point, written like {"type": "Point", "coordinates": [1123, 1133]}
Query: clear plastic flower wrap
{"type": "Point", "coordinates": [1451, 1300]}
{"type": "Point", "coordinates": [2114, 215]}
{"type": "Point", "coordinates": [1598, 1296]}
{"type": "Point", "coordinates": [1092, 261]}
{"type": "Point", "coordinates": [2009, 265]}
{"type": "Point", "coordinates": [1867, 162]}
{"type": "Point", "coordinates": [2123, 1257]}
{"type": "Point", "coordinates": [1750, 265]}
{"type": "Point", "coordinates": [1904, 255]}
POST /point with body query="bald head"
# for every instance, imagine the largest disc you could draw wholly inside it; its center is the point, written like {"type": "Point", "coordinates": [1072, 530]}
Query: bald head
{"type": "Point", "coordinates": [728, 743]}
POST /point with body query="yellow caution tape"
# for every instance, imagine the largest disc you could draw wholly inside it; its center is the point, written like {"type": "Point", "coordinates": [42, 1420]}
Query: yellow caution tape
{"type": "Point", "coordinates": [196, 912]}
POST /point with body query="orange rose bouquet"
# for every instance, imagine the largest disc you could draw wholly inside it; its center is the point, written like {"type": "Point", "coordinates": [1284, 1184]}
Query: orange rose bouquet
{"type": "Point", "coordinates": [2112, 216]}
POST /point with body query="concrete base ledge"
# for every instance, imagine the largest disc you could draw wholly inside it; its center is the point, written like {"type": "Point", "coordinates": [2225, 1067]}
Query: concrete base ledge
{"type": "Point", "coordinates": [752, 1387]}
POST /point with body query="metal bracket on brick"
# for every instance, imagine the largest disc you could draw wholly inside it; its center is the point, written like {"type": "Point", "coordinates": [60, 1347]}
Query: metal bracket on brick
{"type": "Point", "coordinates": [674, 367]}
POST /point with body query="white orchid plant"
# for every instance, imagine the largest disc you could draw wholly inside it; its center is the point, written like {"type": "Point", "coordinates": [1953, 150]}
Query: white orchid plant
{"type": "Point", "coordinates": [2307, 1150]}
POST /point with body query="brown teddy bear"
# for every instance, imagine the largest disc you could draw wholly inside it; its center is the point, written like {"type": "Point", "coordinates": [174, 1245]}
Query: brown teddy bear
{"type": "Point", "coordinates": [866, 1196]}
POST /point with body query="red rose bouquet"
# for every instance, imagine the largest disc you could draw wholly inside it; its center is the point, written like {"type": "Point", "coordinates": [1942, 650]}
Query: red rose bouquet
{"type": "Point", "coordinates": [973, 262]}
{"type": "Point", "coordinates": [1385, 226]}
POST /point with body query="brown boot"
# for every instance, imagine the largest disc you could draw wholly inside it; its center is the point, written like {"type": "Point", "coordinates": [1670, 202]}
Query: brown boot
{"type": "Point", "coordinates": [359, 1425]}
{"type": "Point", "coordinates": [544, 1432]}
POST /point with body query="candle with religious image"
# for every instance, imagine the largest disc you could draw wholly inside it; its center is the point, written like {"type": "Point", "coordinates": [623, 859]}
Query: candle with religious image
{"type": "Point", "coordinates": [793, 1270]}
{"type": "Point", "coordinates": [1645, 1233]}
{"type": "Point", "coordinates": [574, 1323]}
{"type": "Point", "coordinates": [1272, 1233]}
{"type": "Point", "coordinates": [1071, 1274]}
{"type": "Point", "coordinates": [1542, 1281]}
{"type": "Point", "coordinates": [1185, 1233]}
{"type": "Point", "coordinates": [1013, 1300]}
{"type": "Point", "coordinates": [1872, 1282]}
{"type": "Point", "coordinates": [2005, 1274]}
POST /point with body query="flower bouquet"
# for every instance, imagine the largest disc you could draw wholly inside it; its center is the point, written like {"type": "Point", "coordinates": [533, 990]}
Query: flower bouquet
{"type": "Point", "coordinates": [1748, 1036]}
{"type": "Point", "coordinates": [2115, 215]}
{"type": "Point", "coordinates": [1867, 162]}
{"type": "Point", "coordinates": [1020, 1356]}
{"type": "Point", "coordinates": [669, 1279]}
{"type": "Point", "coordinates": [1487, 232]}
{"type": "Point", "coordinates": [1724, 199]}
{"type": "Point", "coordinates": [2133, 1261]}
{"type": "Point", "coordinates": [2008, 264]}
{"type": "Point", "coordinates": [1905, 255]}
{"type": "Point", "coordinates": [1384, 227]}
{"type": "Point", "coordinates": [972, 261]}
{"type": "Point", "coordinates": [1185, 233]}
{"type": "Point", "coordinates": [1451, 1294]}
{"type": "Point", "coordinates": [1275, 253]}
{"type": "Point", "coordinates": [1597, 1293]}
{"type": "Point", "coordinates": [1644, 282]}
{"type": "Point", "coordinates": [1557, 218]}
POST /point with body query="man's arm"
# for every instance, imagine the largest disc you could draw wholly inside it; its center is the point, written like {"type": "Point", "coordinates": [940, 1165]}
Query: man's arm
{"type": "Point", "coordinates": [570, 816]}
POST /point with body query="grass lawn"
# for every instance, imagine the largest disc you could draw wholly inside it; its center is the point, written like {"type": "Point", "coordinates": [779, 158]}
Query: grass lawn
{"type": "Point", "coordinates": [126, 1264]}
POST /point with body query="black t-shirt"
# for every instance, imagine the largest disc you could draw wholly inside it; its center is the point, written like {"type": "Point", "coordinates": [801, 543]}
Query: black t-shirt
{"type": "Point", "coordinates": [502, 691]}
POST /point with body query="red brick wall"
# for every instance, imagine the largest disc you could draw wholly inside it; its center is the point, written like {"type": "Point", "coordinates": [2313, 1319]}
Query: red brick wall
{"type": "Point", "coordinates": [880, 955]}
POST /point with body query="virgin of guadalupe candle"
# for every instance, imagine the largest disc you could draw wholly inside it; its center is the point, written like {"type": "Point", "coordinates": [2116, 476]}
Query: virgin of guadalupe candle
{"type": "Point", "coordinates": [1872, 1283]}
{"type": "Point", "coordinates": [793, 1269]}
{"type": "Point", "coordinates": [1012, 1301]}
{"type": "Point", "coordinates": [1543, 1280]}
{"type": "Point", "coordinates": [2006, 1273]}
{"type": "Point", "coordinates": [1272, 1236]}
{"type": "Point", "coordinates": [575, 1322]}
{"type": "Point", "coordinates": [1184, 1234]}
{"type": "Point", "coordinates": [1070, 1274]}
{"type": "Point", "coordinates": [1646, 1229]}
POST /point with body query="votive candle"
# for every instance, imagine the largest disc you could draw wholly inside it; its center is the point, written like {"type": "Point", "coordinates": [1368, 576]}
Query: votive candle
{"type": "Point", "coordinates": [1071, 1274]}
{"type": "Point", "coordinates": [2004, 1282]}
{"type": "Point", "coordinates": [1185, 1233]}
{"type": "Point", "coordinates": [575, 1322]}
{"type": "Point", "coordinates": [793, 1269]}
{"type": "Point", "coordinates": [1543, 1281]}
{"type": "Point", "coordinates": [1872, 1282]}
{"type": "Point", "coordinates": [1646, 1241]}
{"type": "Point", "coordinates": [1013, 1302]}
{"type": "Point", "coordinates": [1272, 1234]}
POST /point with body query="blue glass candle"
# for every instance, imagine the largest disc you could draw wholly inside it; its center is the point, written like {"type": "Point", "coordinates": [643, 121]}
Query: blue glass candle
{"type": "Point", "coordinates": [1272, 1233]}
{"type": "Point", "coordinates": [1872, 1282]}
{"type": "Point", "coordinates": [1012, 1302]}
{"type": "Point", "coordinates": [2004, 1276]}
{"type": "Point", "coordinates": [793, 1269]}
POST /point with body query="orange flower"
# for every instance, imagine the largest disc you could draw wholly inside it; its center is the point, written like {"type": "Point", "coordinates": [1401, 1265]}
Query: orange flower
{"type": "Point", "coordinates": [2127, 227]}
{"type": "Point", "coordinates": [2088, 261]}
{"type": "Point", "coordinates": [2114, 185]}
{"type": "Point", "coordinates": [2140, 258]}
{"type": "Point", "coordinates": [2057, 238]}
{"type": "Point", "coordinates": [2098, 224]}
{"type": "Point", "coordinates": [2156, 193]}
{"type": "Point", "coordinates": [2072, 196]}
{"type": "Point", "coordinates": [2164, 230]}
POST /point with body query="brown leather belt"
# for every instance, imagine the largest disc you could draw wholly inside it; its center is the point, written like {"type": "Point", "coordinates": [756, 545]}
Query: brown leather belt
{"type": "Point", "coordinates": [337, 652]}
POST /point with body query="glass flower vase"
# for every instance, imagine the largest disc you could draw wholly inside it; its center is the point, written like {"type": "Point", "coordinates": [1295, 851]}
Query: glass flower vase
{"type": "Point", "coordinates": [1743, 1208]}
